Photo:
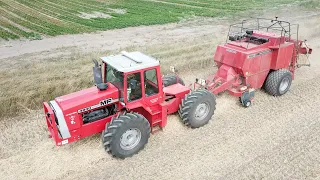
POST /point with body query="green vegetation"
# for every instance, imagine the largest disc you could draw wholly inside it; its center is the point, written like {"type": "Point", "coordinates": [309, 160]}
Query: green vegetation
{"type": "Point", "coordinates": [311, 4]}
{"type": "Point", "coordinates": [30, 18]}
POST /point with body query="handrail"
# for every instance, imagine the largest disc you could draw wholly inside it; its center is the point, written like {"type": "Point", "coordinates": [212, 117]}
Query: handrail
{"type": "Point", "coordinates": [284, 28]}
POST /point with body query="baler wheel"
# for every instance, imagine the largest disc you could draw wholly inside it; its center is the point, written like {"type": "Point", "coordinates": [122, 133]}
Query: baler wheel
{"type": "Point", "coordinates": [126, 135]}
{"type": "Point", "coordinates": [170, 79]}
{"type": "Point", "coordinates": [278, 82]}
{"type": "Point", "coordinates": [246, 103]}
{"type": "Point", "coordinates": [197, 108]}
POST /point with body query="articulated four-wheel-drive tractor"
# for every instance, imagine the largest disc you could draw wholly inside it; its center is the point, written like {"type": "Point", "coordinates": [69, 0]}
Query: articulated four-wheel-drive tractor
{"type": "Point", "coordinates": [132, 99]}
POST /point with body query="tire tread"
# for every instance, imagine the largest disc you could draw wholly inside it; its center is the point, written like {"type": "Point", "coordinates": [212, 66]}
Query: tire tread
{"type": "Point", "coordinates": [116, 122]}
{"type": "Point", "coordinates": [171, 79]}
{"type": "Point", "coordinates": [186, 104]}
{"type": "Point", "coordinates": [273, 80]}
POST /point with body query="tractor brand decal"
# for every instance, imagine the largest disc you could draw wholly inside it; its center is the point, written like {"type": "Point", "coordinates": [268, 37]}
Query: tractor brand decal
{"type": "Point", "coordinates": [105, 102]}
{"type": "Point", "coordinates": [232, 51]}
{"type": "Point", "coordinates": [102, 103]}
{"type": "Point", "coordinates": [259, 53]}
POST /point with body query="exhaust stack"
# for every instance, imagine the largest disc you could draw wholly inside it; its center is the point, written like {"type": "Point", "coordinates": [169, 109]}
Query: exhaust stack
{"type": "Point", "coordinates": [97, 75]}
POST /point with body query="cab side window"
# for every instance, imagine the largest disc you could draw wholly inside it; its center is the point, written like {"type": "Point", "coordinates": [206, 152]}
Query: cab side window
{"type": "Point", "coordinates": [151, 82]}
{"type": "Point", "coordinates": [134, 91]}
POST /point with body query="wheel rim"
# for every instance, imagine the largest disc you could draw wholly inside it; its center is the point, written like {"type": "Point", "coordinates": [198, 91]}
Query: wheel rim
{"type": "Point", "coordinates": [284, 84]}
{"type": "Point", "coordinates": [202, 111]}
{"type": "Point", "coordinates": [248, 103]}
{"type": "Point", "coordinates": [130, 139]}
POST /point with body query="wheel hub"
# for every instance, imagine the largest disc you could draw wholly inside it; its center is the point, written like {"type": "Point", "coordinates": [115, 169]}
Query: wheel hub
{"type": "Point", "coordinates": [202, 111]}
{"type": "Point", "coordinates": [284, 84]}
{"type": "Point", "coordinates": [130, 139]}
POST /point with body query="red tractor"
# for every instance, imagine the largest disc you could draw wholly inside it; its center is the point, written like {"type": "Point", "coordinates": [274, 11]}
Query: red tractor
{"type": "Point", "coordinates": [259, 53]}
{"type": "Point", "coordinates": [130, 101]}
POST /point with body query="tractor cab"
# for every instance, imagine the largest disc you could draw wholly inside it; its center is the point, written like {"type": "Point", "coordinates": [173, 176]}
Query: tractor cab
{"type": "Point", "coordinates": [136, 75]}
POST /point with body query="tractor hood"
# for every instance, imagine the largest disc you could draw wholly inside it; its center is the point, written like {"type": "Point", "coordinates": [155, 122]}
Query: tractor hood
{"type": "Point", "coordinates": [87, 99]}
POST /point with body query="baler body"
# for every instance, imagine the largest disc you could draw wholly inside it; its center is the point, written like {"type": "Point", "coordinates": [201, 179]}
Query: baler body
{"type": "Point", "coordinates": [249, 56]}
{"type": "Point", "coordinates": [253, 62]}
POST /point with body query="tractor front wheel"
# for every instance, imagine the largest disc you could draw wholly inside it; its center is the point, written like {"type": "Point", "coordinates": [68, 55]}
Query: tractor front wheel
{"type": "Point", "coordinates": [278, 82]}
{"type": "Point", "coordinates": [126, 135]}
{"type": "Point", "coordinates": [197, 108]}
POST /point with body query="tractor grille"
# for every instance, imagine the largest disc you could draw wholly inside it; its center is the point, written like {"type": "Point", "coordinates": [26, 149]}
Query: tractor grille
{"type": "Point", "coordinates": [56, 120]}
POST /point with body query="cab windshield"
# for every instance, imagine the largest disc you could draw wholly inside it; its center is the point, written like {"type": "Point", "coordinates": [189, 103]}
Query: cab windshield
{"type": "Point", "coordinates": [115, 77]}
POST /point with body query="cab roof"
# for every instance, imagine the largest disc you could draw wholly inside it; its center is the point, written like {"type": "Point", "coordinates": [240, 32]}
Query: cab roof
{"type": "Point", "coordinates": [130, 61]}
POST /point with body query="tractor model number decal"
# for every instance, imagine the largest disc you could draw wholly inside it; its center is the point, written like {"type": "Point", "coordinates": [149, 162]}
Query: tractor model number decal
{"type": "Point", "coordinates": [101, 103]}
{"type": "Point", "coordinates": [259, 53]}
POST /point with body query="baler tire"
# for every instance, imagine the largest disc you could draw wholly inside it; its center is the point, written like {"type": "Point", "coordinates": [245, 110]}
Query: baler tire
{"type": "Point", "coordinates": [171, 79]}
{"type": "Point", "coordinates": [119, 126]}
{"type": "Point", "coordinates": [191, 102]}
{"type": "Point", "coordinates": [274, 81]}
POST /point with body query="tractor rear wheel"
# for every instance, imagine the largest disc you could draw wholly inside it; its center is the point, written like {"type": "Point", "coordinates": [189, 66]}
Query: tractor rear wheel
{"type": "Point", "coordinates": [126, 135]}
{"type": "Point", "coordinates": [171, 79]}
{"type": "Point", "coordinates": [197, 108]}
{"type": "Point", "coordinates": [278, 82]}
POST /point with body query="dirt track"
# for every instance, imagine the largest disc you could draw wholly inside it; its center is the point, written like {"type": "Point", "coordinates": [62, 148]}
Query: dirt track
{"type": "Point", "coordinates": [277, 138]}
